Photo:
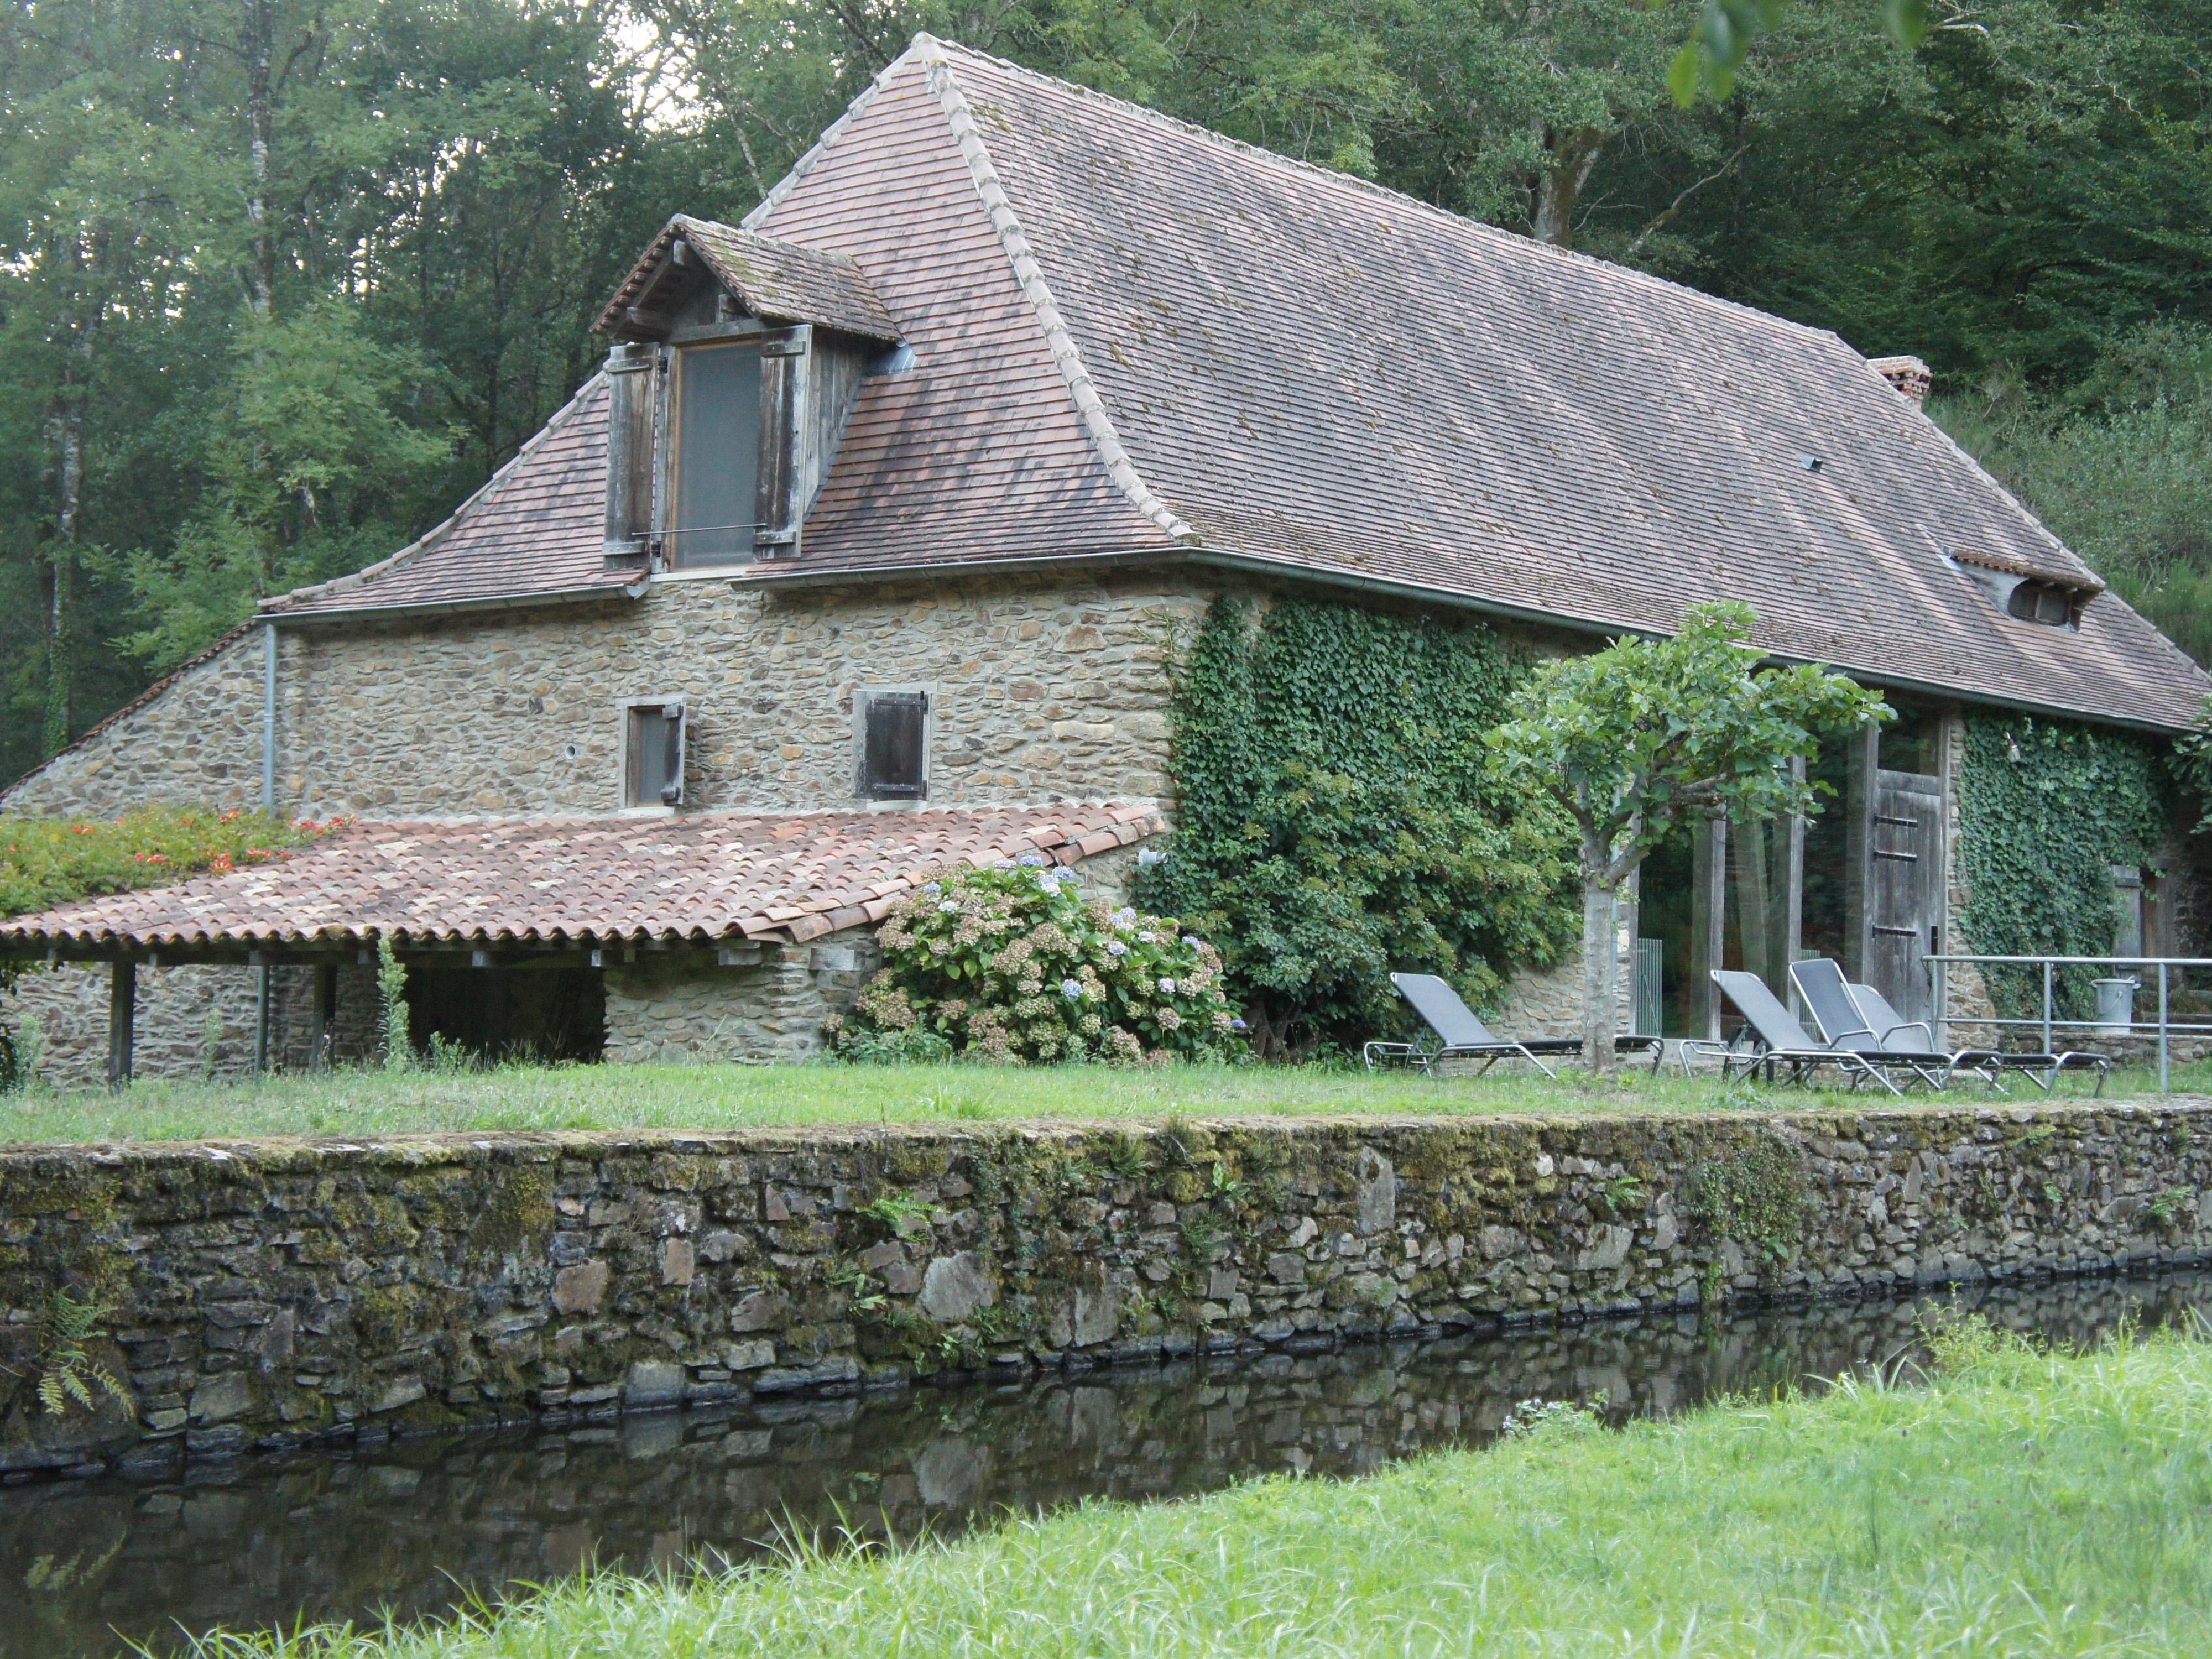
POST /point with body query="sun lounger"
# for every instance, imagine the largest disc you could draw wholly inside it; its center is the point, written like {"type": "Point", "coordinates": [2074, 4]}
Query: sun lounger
{"type": "Point", "coordinates": [1988, 1063]}
{"type": "Point", "coordinates": [1778, 1040]}
{"type": "Point", "coordinates": [1846, 1023]}
{"type": "Point", "coordinates": [1464, 1037]}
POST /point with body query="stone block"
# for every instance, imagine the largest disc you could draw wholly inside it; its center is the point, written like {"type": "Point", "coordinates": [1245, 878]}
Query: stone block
{"type": "Point", "coordinates": [1287, 1268]}
{"type": "Point", "coordinates": [761, 1310]}
{"type": "Point", "coordinates": [651, 1383]}
{"type": "Point", "coordinates": [678, 1260]}
{"type": "Point", "coordinates": [954, 1286]}
{"type": "Point", "coordinates": [580, 1289]}
{"type": "Point", "coordinates": [749, 1356]}
{"type": "Point", "coordinates": [221, 1397]}
{"type": "Point", "coordinates": [401, 1391]}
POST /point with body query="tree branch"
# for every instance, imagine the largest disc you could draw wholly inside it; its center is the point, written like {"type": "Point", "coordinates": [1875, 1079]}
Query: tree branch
{"type": "Point", "coordinates": [1667, 215]}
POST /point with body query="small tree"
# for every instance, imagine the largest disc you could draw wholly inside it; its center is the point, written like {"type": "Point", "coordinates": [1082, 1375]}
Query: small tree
{"type": "Point", "coordinates": [1647, 733]}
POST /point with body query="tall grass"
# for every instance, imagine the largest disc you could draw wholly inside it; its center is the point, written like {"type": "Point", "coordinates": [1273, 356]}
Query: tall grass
{"type": "Point", "coordinates": [2020, 1503]}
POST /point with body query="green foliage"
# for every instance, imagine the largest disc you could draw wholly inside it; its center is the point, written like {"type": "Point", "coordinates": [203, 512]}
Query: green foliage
{"type": "Point", "coordinates": [1635, 739]}
{"type": "Point", "coordinates": [67, 1371]}
{"type": "Point", "coordinates": [393, 1043]}
{"type": "Point", "coordinates": [2045, 810]}
{"type": "Point", "coordinates": [1337, 819]}
{"type": "Point", "coordinates": [1010, 965]}
{"type": "Point", "coordinates": [1647, 734]}
{"type": "Point", "coordinates": [1757, 1196]}
{"type": "Point", "coordinates": [45, 861]}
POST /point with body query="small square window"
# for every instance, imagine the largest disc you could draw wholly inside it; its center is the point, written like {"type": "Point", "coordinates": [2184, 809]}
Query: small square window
{"type": "Point", "coordinates": [653, 759]}
{"type": "Point", "coordinates": [895, 746]}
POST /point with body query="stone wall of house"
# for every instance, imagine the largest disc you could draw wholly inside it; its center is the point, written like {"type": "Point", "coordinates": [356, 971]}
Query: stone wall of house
{"type": "Point", "coordinates": [684, 1007]}
{"type": "Point", "coordinates": [266, 1293]}
{"type": "Point", "coordinates": [1038, 693]}
{"type": "Point", "coordinates": [191, 1021]}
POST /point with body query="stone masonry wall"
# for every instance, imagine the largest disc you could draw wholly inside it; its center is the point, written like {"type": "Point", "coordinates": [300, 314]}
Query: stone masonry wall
{"type": "Point", "coordinates": [1038, 693]}
{"type": "Point", "coordinates": [266, 1293]}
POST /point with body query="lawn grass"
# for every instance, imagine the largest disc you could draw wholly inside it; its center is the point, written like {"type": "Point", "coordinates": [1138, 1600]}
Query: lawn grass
{"type": "Point", "coordinates": [354, 1101]}
{"type": "Point", "coordinates": [2019, 1503]}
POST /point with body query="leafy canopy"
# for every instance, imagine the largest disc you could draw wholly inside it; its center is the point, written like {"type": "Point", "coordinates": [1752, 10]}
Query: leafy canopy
{"type": "Point", "coordinates": [1635, 738]}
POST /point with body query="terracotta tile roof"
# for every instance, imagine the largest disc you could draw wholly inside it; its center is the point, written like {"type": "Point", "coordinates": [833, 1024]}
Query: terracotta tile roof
{"type": "Point", "coordinates": [573, 880]}
{"type": "Point", "coordinates": [779, 281]}
{"type": "Point", "coordinates": [1136, 339]}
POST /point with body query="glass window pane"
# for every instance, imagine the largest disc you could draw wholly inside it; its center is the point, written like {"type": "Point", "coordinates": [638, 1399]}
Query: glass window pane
{"type": "Point", "coordinates": [1755, 934]}
{"type": "Point", "coordinates": [718, 454]}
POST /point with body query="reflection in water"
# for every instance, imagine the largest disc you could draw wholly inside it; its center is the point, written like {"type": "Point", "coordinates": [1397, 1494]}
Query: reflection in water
{"type": "Point", "coordinates": [336, 1535]}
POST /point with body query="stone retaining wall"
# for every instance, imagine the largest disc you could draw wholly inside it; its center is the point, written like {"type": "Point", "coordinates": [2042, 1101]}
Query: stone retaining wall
{"type": "Point", "coordinates": [266, 1293]}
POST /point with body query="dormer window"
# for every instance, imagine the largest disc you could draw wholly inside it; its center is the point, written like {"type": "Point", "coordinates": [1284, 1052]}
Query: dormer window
{"type": "Point", "coordinates": [739, 359]}
{"type": "Point", "coordinates": [2029, 595]}
{"type": "Point", "coordinates": [713, 463]}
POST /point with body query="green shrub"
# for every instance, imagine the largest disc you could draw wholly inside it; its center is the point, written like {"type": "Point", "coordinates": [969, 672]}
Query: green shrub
{"type": "Point", "coordinates": [1011, 963]}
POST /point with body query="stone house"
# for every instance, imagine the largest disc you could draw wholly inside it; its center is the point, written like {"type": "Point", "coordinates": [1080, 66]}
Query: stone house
{"type": "Point", "coordinates": [865, 549]}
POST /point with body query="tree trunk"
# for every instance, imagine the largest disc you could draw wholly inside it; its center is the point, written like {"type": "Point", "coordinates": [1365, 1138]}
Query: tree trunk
{"type": "Point", "coordinates": [1599, 995]}
{"type": "Point", "coordinates": [256, 46]}
{"type": "Point", "coordinates": [69, 513]}
{"type": "Point", "coordinates": [1559, 185]}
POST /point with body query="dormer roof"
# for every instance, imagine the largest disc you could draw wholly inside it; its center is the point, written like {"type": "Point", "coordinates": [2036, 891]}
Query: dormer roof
{"type": "Point", "coordinates": [779, 282]}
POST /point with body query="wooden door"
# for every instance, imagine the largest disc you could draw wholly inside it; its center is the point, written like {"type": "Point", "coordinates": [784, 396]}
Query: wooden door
{"type": "Point", "coordinates": [1905, 889]}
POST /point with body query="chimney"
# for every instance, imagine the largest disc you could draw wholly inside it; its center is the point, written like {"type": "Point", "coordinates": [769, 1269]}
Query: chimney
{"type": "Point", "coordinates": [1908, 375]}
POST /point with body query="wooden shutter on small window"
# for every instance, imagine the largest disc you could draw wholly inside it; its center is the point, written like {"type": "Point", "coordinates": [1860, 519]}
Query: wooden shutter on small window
{"type": "Point", "coordinates": [782, 431]}
{"type": "Point", "coordinates": [632, 402]}
{"type": "Point", "coordinates": [894, 765]}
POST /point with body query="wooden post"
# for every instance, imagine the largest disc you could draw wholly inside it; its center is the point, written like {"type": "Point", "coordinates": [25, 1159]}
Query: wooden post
{"type": "Point", "coordinates": [326, 1002]}
{"type": "Point", "coordinates": [1708, 914]}
{"type": "Point", "coordinates": [122, 1021]}
{"type": "Point", "coordinates": [1862, 760]}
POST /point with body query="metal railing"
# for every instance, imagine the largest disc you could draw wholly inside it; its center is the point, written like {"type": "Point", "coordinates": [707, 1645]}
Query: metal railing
{"type": "Point", "coordinates": [2048, 1022]}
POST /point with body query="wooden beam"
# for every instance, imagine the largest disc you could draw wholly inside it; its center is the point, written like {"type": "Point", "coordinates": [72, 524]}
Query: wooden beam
{"type": "Point", "coordinates": [122, 1021]}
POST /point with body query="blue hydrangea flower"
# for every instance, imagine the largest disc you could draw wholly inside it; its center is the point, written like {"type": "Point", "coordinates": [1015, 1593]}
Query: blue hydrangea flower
{"type": "Point", "coordinates": [1125, 916]}
{"type": "Point", "coordinates": [1114, 947]}
{"type": "Point", "coordinates": [1167, 988]}
{"type": "Point", "coordinates": [950, 907]}
{"type": "Point", "coordinates": [1148, 937]}
{"type": "Point", "coordinates": [1031, 859]}
{"type": "Point", "coordinates": [1069, 987]}
{"type": "Point", "coordinates": [1191, 939]}
{"type": "Point", "coordinates": [932, 887]}
{"type": "Point", "coordinates": [1238, 1025]}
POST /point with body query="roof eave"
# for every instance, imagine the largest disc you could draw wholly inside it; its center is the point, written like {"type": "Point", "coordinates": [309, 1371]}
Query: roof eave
{"type": "Point", "coordinates": [332, 614]}
{"type": "Point", "coordinates": [1414, 592]}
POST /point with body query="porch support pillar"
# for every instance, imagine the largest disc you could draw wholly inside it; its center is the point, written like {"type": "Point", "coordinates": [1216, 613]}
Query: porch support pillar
{"type": "Point", "coordinates": [122, 1021]}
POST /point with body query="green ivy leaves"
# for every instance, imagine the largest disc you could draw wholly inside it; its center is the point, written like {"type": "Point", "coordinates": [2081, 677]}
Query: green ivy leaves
{"type": "Point", "coordinates": [1337, 817]}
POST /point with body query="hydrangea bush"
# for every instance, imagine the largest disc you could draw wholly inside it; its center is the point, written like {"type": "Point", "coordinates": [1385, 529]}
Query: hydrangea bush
{"type": "Point", "coordinates": [1011, 963]}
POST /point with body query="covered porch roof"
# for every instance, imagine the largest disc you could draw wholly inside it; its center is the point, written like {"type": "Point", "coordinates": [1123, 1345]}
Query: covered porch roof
{"type": "Point", "coordinates": [537, 885]}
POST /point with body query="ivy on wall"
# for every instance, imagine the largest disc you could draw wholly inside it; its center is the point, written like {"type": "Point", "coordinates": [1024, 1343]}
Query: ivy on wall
{"type": "Point", "coordinates": [2045, 812]}
{"type": "Point", "coordinates": [1338, 818]}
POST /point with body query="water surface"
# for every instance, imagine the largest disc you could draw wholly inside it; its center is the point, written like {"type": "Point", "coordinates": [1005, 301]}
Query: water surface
{"type": "Point", "coordinates": [411, 1525]}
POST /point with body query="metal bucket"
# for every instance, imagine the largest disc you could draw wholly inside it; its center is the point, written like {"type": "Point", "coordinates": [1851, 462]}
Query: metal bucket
{"type": "Point", "coordinates": [2115, 1005]}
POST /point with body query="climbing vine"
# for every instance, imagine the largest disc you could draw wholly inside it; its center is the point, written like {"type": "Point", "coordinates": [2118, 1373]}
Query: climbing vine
{"type": "Point", "coordinates": [1338, 821]}
{"type": "Point", "coordinates": [2047, 809]}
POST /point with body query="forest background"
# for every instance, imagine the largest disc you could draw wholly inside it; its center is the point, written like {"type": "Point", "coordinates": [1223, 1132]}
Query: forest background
{"type": "Point", "coordinates": [282, 280]}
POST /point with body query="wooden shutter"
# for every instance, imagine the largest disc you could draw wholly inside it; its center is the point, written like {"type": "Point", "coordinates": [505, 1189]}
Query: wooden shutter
{"type": "Point", "coordinates": [894, 763]}
{"type": "Point", "coordinates": [632, 402]}
{"type": "Point", "coordinates": [783, 404]}
{"type": "Point", "coordinates": [672, 788]}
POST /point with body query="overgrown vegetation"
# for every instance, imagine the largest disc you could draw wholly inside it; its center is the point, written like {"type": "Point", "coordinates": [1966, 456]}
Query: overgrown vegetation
{"type": "Point", "coordinates": [2047, 809]}
{"type": "Point", "coordinates": [2014, 1503]}
{"type": "Point", "coordinates": [1012, 963]}
{"type": "Point", "coordinates": [1337, 820]}
{"type": "Point", "coordinates": [44, 862]}
{"type": "Point", "coordinates": [67, 1371]}
{"type": "Point", "coordinates": [1756, 1196]}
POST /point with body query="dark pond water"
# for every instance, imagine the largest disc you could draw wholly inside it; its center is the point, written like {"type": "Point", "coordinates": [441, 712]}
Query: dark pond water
{"type": "Point", "coordinates": [85, 1565]}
